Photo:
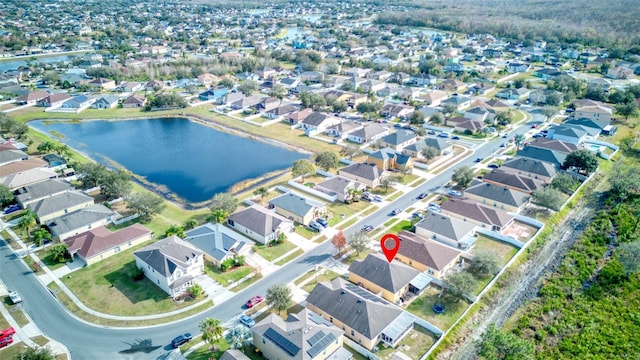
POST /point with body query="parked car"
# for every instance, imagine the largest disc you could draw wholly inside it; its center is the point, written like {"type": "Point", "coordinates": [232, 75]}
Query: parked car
{"type": "Point", "coordinates": [503, 145]}
{"type": "Point", "coordinates": [443, 135]}
{"type": "Point", "coordinates": [367, 228]}
{"type": "Point", "coordinates": [504, 136]}
{"type": "Point", "coordinates": [254, 301]}
{"type": "Point", "coordinates": [315, 226]}
{"type": "Point", "coordinates": [434, 207]}
{"type": "Point", "coordinates": [533, 126]}
{"type": "Point", "coordinates": [11, 208]}
{"type": "Point", "coordinates": [422, 196]}
{"type": "Point", "coordinates": [247, 320]}
{"type": "Point", "coordinates": [181, 339]}
{"type": "Point", "coordinates": [479, 159]}
{"type": "Point", "coordinates": [454, 193]}
{"type": "Point", "coordinates": [377, 198]}
{"type": "Point", "coordinates": [493, 166]}
{"type": "Point", "coordinates": [7, 332]}
{"type": "Point", "coordinates": [396, 211]}
{"type": "Point", "coordinates": [418, 215]}
{"type": "Point", "coordinates": [322, 221]}
{"type": "Point", "coordinates": [455, 137]}
{"type": "Point", "coordinates": [431, 132]}
{"type": "Point", "coordinates": [15, 297]}
{"type": "Point", "coordinates": [6, 341]}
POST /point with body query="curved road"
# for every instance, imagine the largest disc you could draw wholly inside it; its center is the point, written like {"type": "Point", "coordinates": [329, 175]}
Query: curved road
{"type": "Point", "coordinates": [88, 341]}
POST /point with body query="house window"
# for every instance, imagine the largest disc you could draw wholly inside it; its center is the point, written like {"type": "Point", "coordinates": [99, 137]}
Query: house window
{"type": "Point", "coordinates": [158, 281]}
{"type": "Point", "coordinates": [116, 249]}
{"type": "Point", "coordinates": [353, 333]}
{"type": "Point", "coordinates": [129, 243]}
{"type": "Point", "coordinates": [331, 319]}
{"type": "Point", "coordinates": [230, 222]}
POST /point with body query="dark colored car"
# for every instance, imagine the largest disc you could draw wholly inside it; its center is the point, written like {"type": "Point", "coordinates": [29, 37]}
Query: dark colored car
{"type": "Point", "coordinates": [478, 159]}
{"type": "Point", "coordinates": [367, 228]}
{"type": "Point", "coordinates": [254, 301]}
{"type": "Point", "coordinates": [11, 208]}
{"type": "Point", "coordinates": [503, 145]}
{"type": "Point", "coordinates": [322, 222]}
{"type": "Point", "coordinates": [455, 137]}
{"type": "Point", "coordinates": [181, 340]}
{"type": "Point", "coordinates": [493, 166]}
{"type": "Point", "coordinates": [422, 196]}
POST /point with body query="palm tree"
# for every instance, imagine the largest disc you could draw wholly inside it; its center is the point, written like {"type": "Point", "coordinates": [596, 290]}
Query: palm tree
{"type": "Point", "coordinates": [518, 139]}
{"type": "Point", "coordinates": [219, 216]}
{"type": "Point", "coordinates": [262, 191]}
{"type": "Point", "coordinates": [27, 221]}
{"type": "Point", "coordinates": [211, 331]}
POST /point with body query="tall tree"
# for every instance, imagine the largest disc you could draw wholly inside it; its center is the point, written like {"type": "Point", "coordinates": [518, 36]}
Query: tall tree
{"type": "Point", "coordinates": [47, 146]}
{"type": "Point", "coordinates": [498, 345]}
{"type": "Point", "coordinates": [462, 176]}
{"type": "Point", "coordinates": [212, 331]}
{"type": "Point", "coordinates": [116, 184]}
{"type": "Point", "coordinates": [225, 202]}
{"type": "Point", "coordinates": [279, 297]}
{"type": "Point", "coordinates": [416, 118]}
{"type": "Point", "coordinates": [429, 152]}
{"type": "Point", "coordinates": [628, 109]}
{"type": "Point", "coordinates": [59, 252]}
{"type": "Point", "coordinates": [261, 191]}
{"type": "Point", "coordinates": [146, 205]}
{"type": "Point", "coordinates": [583, 160]}
{"type": "Point", "coordinates": [327, 160]}
{"type": "Point", "coordinates": [387, 182]}
{"type": "Point", "coordinates": [248, 87]}
{"type": "Point", "coordinates": [565, 183]}
{"type": "Point", "coordinates": [219, 216]}
{"type": "Point", "coordinates": [518, 139]}
{"type": "Point", "coordinates": [459, 283]}
{"type": "Point", "coordinates": [176, 230]}
{"type": "Point", "coordinates": [239, 337]}
{"type": "Point", "coordinates": [359, 241]}
{"type": "Point", "coordinates": [40, 235]}
{"type": "Point", "coordinates": [302, 168]}
{"type": "Point", "coordinates": [6, 195]}
{"type": "Point", "coordinates": [548, 197]}
{"type": "Point", "coordinates": [350, 151]}
{"type": "Point", "coordinates": [484, 263]}
{"type": "Point", "coordinates": [27, 221]}
{"type": "Point", "coordinates": [339, 241]}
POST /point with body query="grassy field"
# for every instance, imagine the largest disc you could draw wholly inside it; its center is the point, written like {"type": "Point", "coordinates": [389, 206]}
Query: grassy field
{"type": "Point", "coordinates": [15, 311]}
{"type": "Point", "coordinates": [401, 225]}
{"type": "Point", "coordinates": [290, 257]}
{"type": "Point", "coordinates": [273, 252]}
{"type": "Point", "coordinates": [414, 344]}
{"type": "Point", "coordinates": [503, 252]}
{"type": "Point", "coordinates": [204, 352]}
{"type": "Point", "coordinates": [423, 308]}
{"type": "Point", "coordinates": [229, 276]}
{"type": "Point", "coordinates": [338, 209]}
{"type": "Point", "coordinates": [328, 275]}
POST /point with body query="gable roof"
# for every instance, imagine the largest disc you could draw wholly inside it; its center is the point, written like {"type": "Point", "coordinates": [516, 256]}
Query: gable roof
{"type": "Point", "coordinates": [369, 131]}
{"type": "Point", "coordinates": [472, 210]}
{"type": "Point", "coordinates": [20, 166]}
{"type": "Point", "coordinates": [27, 177]}
{"type": "Point", "coordinates": [101, 239]}
{"type": "Point", "coordinates": [543, 154]}
{"type": "Point", "coordinates": [596, 124]}
{"type": "Point", "coordinates": [398, 137]}
{"type": "Point", "coordinates": [8, 156]}
{"type": "Point", "coordinates": [446, 226]}
{"type": "Point", "coordinates": [258, 219]}
{"type": "Point", "coordinates": [234, 354]}
{"type": "Point", "coordinates": [553, 144]}
{"type": "Point", "coordinates": [338, 184]}
{"type": "Point", "coordinates": [355, 307]}
{"type": "Point", "coordinates": [296, 204]}
{"type": "Point", "coordinates": [166, 255]}
{"type": "Point", "coordinates": [362, 170]}
{"type": "Point", "coordinates": [41, 189]}
{"type": "Point", "coordinates": [215, 239]}
{"type": "Point", "coordinates": [391, 276]}
{"type": "Point", "coordinates": [32, 96]}
{"type": "Point", "coordinates": [53, 204]}
{"type": "Point", "coordinates": [426, 251]}
{"type": "Point", "coordinates": [500, 194]}
{"type": "Point", "coordinates": [79, 218]}
{"type": "Point", "coordinates": [135, 99]}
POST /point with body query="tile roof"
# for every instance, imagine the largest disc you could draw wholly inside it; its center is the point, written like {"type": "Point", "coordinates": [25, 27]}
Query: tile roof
{"type": "Point", "coordinates": [101, 239]}
{"type": "Point", "coordinates": [391, 276]}
{"type": "Point", "coordinates": [258, 219]}
{"type": "Point", "coordinates": [426, 251]}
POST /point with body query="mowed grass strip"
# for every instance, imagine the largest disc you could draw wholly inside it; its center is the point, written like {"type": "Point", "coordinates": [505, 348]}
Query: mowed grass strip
{"type": "Point", "coordinates": [273, 252]}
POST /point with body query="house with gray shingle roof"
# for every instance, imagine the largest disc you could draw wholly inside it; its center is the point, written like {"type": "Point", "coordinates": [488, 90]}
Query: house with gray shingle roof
{"type": "Point", "coordinates": [532, 168]}
{"type": "Point", "coordinates": [343, 129]}
{"type": "Point", "coordinates": [399, 139]}
{"type": "Point", "coordinates": [477, 214]}
{"type": "Point", "coordinates": [319, 121]}
{"type": "Point", "coordinates": [80, 221]}
{"type": "Point", "coordinates": [368, 174]}
{"type": "Point", "coordinates": [302, 336]}
{"type": "Point", "coordinates": [106, 102]}
{"type": "Point", "coordinates": [297, 207]}
{"type": "Point", "coordinates": [34, 192]}
{"type": "Point", "coordinates": [368, 133]}
{"type": "Point", "coordinates": [441, 145]}
{"type": "Point", "coordinates": [514, 181]}
{"type": "Point", "coordinates": [172, 264]}
{"type": "Point", "coordinates": [259, 224]}
{"type": "Point", "coordinates": [234, 354]}
{"type": "Point", "coordinates": [446, 230]}
{"type": "Point", "coordinates": [573, 134]}
{"type": "Point", "coordinates": [543, 154]}
{"type": "Point", "coordinates": [100, 243]}
{"type": "Point", "coordinates": [426, 255]}
{"type": "Point", "coordinates": [500, 197]}
{"type": "Point", "coordinates": [218, 242]}
{"type": "Point", "coordinates": [10, 156]}
{"type": "Point", "coordinates": [365, 318]}
{"type": "Point", "coordinates": [389, 279]}
{"type": "Point", "coordinates": [60, 204]}
{"type": "Point", "coordinates": [27, 177]}
{"type": "Point", "coordinates": [339, 186]}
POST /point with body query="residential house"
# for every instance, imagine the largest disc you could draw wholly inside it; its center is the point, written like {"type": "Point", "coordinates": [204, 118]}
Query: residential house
{"type": "Point", "coordinates": [485, 67]}
{"type": "Point", "coordinates": [356, 72]}
{"type": "Point", "coordinates": [399, 139]}
{"type": "Point", "coordinates": [600, 113]}
{"type": "Point", "coordinates": [389, 159]}
{"type": "Point", "coordinates": [433, 98]}
{"type": "Point", "coordinates": [600, 83]}
{"type": "Point", "coordinates": [482, 88]}
{"type": "Point", "coordinates": [555, 145]}
{"type": "Point", "coordinates": [343, 129]}
{"type": "Point", "coordinates": [515, 67]}
{"type": "Point", "coordinates": [297, 117]}
{"type": "Point", "coordinates": [12, 155]}
{"type": "Point", "coordinates": [171, 263]}
{"type": "Point", "coordinates": [367, 134]}
{"type": "Point", "coordinates": [40, 190]}
{"type": "Point", "coordinates": [302, 336]}
{"type": "Point", "coordinates": [269, 103]}
{"type": "Point", "coordinates": [480, 114]}
{"type": "Point", "coordinates": [79, 221]}
{"type": "Point", "coordinates": [569, 134]}
{"type": "Point", "coordinates": [319, 121]}
{"type": "Point", "coordinates": [312, 76]}
{"type": "Point", "coordinates": [513, 94]}
{"type": "Point", "coordinates": [100, 243]}
{"type": "Point", "coordinates": [214, 93]}
{"type": "Point", "coordinates": [246, 102]}
{"type": "Point", "coordinates": [106, 102]}
{"type": "Point", "coordinates": [234, 354]}
{"type": "Point", "coordinates": [208, 79]}
{"type": "Point", "coordinates": [129, 86]}
{"type": "Point", "coordinates": [78, 103]}
{"type": "Point", "coordinates": [442, 146]}
{"type": "Point", "coordinates": [21, 164]}
{"type": "Point", "coordinates": [367, 174]}
{"type": "Point", "coordinates": [134, 101]}
{"type": "Point", "coordinates": [617, 72]}
{"type": "Point", "coordinates": [543, 154]}
{"type": "Point", "coordinates": [289, 82]}
{"type": "Point", "coordinates": [154, 85]}
{"type": "Point", "coordinates": [53, 100]}
{"type": "Point", "coordinates": [102, 84]}
{"type": "Point", "coordinates": [446, 230]}
{"type": "Point", "coordinates": [259, 224]}
{"type": "Point", "coordinates": [265, 72]}
{"type": "Point", "coordinates": [32, 97]}
{"type": "Point", "coordinates": [396, 110]}
{"type": "Point", "coordinates": [218, 242]}
{"type": "Point", "coordinates": [21, 178]}
{"type": "Point", "coordinates": [381, 75]}
{"type": "Point", "coordinates": [497, 105]}
{"type": "Point", "coordinates": [426, 255]}
{"type": "Point", "coordinates": [365, 319]}
{"type": "Point", "coordinates": [339, 186]}
{"type": "Point", "coordinates": [297, 208]}
{"type": "Point", "coordinates": [280, 111]}
{"type": "Point", "coordinates": [514, 181]}
{"type": "Point", "coordinates": [390, 280]}
{"type": "Point", "coordinates": [453, 85]}
{"type": "Point", "coordinates": [453, 67]}
{"type": "Point", "coordinates": [372, 85]}
{"type": "Point", "coordinates": [60, 204]}
{"type": "Point", "coordinates": [547, 73]}
{"type": "Point", "coordinates": [248, 76]}
{"type": "Point", "coordinates": [535, 169]}
{"type": "Point", "coordinates": [477, 214]}
{"type": "Point", "coordinates": [460, 102]}
{"type": "Point", "coordinates": [463, 125]}
{"type": "Point", "coordinates": [500, 197]}
{"type": "Point", "coordinates": [587, 124]}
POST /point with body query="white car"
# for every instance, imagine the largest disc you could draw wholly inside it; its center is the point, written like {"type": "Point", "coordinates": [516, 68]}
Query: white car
{"type": "Point", "coordinates": [15, 297]}
{"type": "Point", "coordinates": [454, 193]}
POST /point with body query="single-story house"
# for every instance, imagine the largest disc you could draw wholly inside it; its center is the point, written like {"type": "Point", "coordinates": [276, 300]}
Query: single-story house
{"type": "Point", "coordinates": [368, 133]}
{"type": "Point", "coordinates": [106, 102]}
{"type": "Point", "coordinates": [426, 255]}
{"type": "Point", "coordinates": [102, 84]}
{"type": "Point", "coordinates": [460, 102]}
{"type": "Point", "coordinates": [60, 204]}
{"type": "Point", "coordinates": [543, 154]}
{"type": "Point", "coordinates": [433, 98]}
{"type": "Point", "coordinates": [513, 94]}
{"type": "Point", "coordinates": [53, 100]}
{"type": "Point", "coordinates": [40, 190]}
{"type": "Point", "coordinates": [218, 242]}
{"type": "Point", "coordinates": [79, 221]}
{"type": "Point", "coordinates": [154, 85]}
{"type": "Point", "coordinates": [282, 110]}
{"type": "Point", "coordinates": [32, 97]}
{"type": "Point", "coordinates": [259, 224]}
{"type": "Point", "coordinates": [500, 197]}
{"type": "Point", "coordinates": [367, 174]}
{"type": "Point", "coordinates": [213, 93]}
{"type": "Point", "coordinates": [365, 319]}
{"type": "Point", "coordinates": [129, 86]}
{"type": "Point", "coordinates": [343, 129]}
{"type": "Point", "coordinates": [514, 181]}
{"type": "Point", "coordinates": [27, 177]}
{"type": "Point", "coordinates": [100, 243]}
{"type": "Point", "coordinates": [171, 263]}
{"type": "Point", "coordinates": [297, 208]}
{"type": "Point", "coordinates": [339, 186]}
{"type": "Point", "coordinates": [446, 230]}
{"type": "Point", "coordinates": [535, 169]}
{"type": "Point", "coordinates": [555, 145]}
{"type": "Point", "coordinates": [477, 214]}
{"type": "Point", "coordinates": [297, 117]}
{"type": "Point", "coordinates": [453, 85]}
{"type": "Point", "coordinates": [441, 145]}
{"type": "Point", "coordinates": [396, 110]}
{"type": "Point", "coordinates": [399, 139]}
{"type": "Point", "coordinates": [11, 156]}
{"type": "Point", "coordinates": [134, 101]}
{"type": "Point", "coordinates": [573, 134]}
{"type": "Point", "coordinates": [79, 102]}
{"type": "Point", "coordinates": [319, 121]}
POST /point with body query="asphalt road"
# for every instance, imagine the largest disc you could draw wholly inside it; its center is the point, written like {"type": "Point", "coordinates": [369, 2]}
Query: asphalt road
{"type": "Point", "coordinates": [87, 341]}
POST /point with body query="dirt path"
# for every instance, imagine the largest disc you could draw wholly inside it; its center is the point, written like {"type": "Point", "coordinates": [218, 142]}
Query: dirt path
{"type": "Point", "coordinates": [525, 283]}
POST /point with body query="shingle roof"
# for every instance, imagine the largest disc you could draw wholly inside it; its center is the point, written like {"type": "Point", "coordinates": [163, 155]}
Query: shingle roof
{"type": "Point", "coordinates": [59, 202]}
{"type": "Point", "coordinates": [258, 219]}
{"type": "Point", "coordinates": [446, 226]}
{"type": "Point", "coordinates": [19, 166]}
{"type": "Point", "coordinates": [41, 189]}
{"type": "Point", "coordinates": [472, 210]}
{"type": "Point", "coordinates": [531, 166]}
{"type": "Point", "coordinates": [357, 309]}
{"type": "Point", "coordinates": [398, 137]}
{"type": "Point", "coordinates": [338, 184]}
{"type": "Point", "coordinates": [296, 204]}
{"type": "Point", "coordinates": [8, 156]}
{"type": "Point", "coordinates": [500, 194]}
{"type": "Point", "coordinates": [234, 354]}
{"type": "Point", "coordinates": [426, 251]}
{"type": "Point", "coordinates": [361, 170]}
{"type": "Point", "coordinates": [514, 180]}
{"type": "Point", "coordinates": [101, 239]}
{"type": "Point", "coordinates": [27, 177]}
{"type": "Point", "coordinates": [167, 254]}
{"type": "Point", "coordinates": [369, 131]}
{"type": "Point", "coordinates": [548, 155]}
{"type": "Point", "coordinates": [214, 239]}
{"type": "Point", "coordinates": [553, 144]}
{"type": "Point", "coordinates": [315, 119]}
{"type": "Point", "coordinates": [391, 276]}
{"type": "Point", "coordinates": [79, 218]}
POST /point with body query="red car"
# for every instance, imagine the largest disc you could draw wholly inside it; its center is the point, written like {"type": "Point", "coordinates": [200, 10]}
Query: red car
{"type": "Point", "coordinates": [6, 341]}
{"type": "Point", "coordinates": [254, 301]}
{"type": "Point", "coordinates": [7, 332]}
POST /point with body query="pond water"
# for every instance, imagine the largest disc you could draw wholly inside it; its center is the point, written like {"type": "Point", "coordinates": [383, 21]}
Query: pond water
{"type": "Point", "coordinates": [192, 160]}
{"type": "Point", "coordinates": [12, 64]}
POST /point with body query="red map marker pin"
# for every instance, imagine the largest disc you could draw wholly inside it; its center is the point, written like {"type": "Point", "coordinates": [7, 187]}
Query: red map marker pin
{"type": "Point", "coordinates": [390, 245]}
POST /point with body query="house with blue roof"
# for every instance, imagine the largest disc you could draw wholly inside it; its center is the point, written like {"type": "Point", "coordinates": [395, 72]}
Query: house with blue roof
{"type": "Point", "coordinates": [218, 242]}
{"type": "Point", "coordinates": [297, 207]}
{"type": "Point", "coordinates": [399, 139]}
{"type": "Point", "coordinates": [78, 103]}
{"type": "Point", "coordinates": [213, 94]}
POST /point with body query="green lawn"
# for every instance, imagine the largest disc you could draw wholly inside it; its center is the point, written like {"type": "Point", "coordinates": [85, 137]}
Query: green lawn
{"type": "Point", "coordinates": [46, 258]}
{"type": "Point", "coordinates": [112, 290]}
{"type": "Point", "coordinates": [396, 195]}
{"type": "Point", "coordinates": [328, 275]}
{"type": "Point", "coordinates": [273, 252]}
{"type": "Point", "coordinates": [203, 353]}
{"type": "Point", "coordinates": [503, 252]}
{"type": "Point", "coordinates": [390, 222]}
{"type": "Point", "coordinates": [302, 278]}
{"type": "Point", "coordinates": [423, 308]}
{"type": "Point", "coordinates": [402, 225]}
{"type": "Point", "coordinates": [414, 344]}
{"type": "Point", "coordinates": [15, 311]}
{"type": "Point", "coordinates": [341, 211]}
{"type": "Point", "coordinates": [305, 231]}
{"type": "Point", "coordinates": [352, 257]}
{"type": "Point", "coordinates": [229, 276]}
{"type": "Point", "coordinates": [290, 257]}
